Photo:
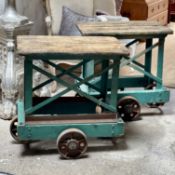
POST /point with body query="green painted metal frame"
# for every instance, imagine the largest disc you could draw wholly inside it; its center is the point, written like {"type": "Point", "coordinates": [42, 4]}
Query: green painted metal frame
{"type": "Point", "coordinates": [145, 69]}
{"type": "Point", "coordinates": [30, 109]}
{"type": "Point", "coordinates": [51, 131]}
{"type": "Point", "coordinates": [140, 83]}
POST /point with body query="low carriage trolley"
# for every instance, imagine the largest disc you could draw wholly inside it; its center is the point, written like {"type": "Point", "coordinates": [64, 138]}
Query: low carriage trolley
{"type": "Point", "coordinates": [147, 88]}
{"type": "Point", "coordinates": [69, 120]}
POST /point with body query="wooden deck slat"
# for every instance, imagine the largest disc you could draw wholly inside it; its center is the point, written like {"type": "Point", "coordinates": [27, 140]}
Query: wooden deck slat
{"type": "Point", "coordinates": [124, 23]}
{"type": "Point", "coordinates": [75, 45]}
{"type": "Point", "coordinates": [131, 28]}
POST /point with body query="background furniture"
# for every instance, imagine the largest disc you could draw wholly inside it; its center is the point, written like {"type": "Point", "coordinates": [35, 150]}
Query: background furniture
{"type": "Point", "coordinates": [2, 6]}
{"type": "Point", "coordinates": [84, 7]}
{"type": "Point", "coordinates": [171, 11]}
{"type": "Point", "coordinates": [146, 10]}
{"type": "Point", "coordinates": [35, 11]}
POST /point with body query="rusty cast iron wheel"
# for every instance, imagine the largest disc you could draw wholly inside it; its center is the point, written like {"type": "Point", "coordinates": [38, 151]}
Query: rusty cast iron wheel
{"type": "Point", "coordinates": [72, 143]}
{"type": "Point", "coordinates": [128, 108]}
{"type": "Point", "coordinates": [13, 129]}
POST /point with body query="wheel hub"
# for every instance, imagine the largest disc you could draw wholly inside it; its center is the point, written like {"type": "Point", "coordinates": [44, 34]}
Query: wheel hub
{"type": "Point", "coordinates": [72, 145]}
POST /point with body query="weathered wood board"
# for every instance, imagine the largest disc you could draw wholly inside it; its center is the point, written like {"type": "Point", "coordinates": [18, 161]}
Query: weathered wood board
{"type": "Point", "coordinates": [131, 29]}
{"type": "Point", "coordinates": [74, 45]}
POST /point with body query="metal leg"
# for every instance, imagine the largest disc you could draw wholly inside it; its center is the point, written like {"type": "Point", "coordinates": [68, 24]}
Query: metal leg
{"type": "Point", "coordinates": [88, 70]}
{"type": "Point", "coordinates": [114, 84]}
{"type": "Point", "coordinates": [160, 61]}
{"type": "Point", "coordinates": [28, 83]}
{"type": "Point", "coordinates": [148, 59]}
{"type": "Point", "coordinates": [104, 79]}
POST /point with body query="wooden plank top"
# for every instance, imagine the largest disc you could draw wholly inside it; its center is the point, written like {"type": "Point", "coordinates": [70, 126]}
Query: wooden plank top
{"type": "Point", "coordinates": [131, 29]}
{"type": "Point", "coordinates": [70, 45]}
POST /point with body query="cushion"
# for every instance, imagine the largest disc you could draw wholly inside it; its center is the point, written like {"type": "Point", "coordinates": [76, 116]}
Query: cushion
{"type": "Point", "coordinates": [84, 7]}
{"type": "Point", "coordinates": [103, 18]}
{"type": "Point", "coordinates": [69, 21]}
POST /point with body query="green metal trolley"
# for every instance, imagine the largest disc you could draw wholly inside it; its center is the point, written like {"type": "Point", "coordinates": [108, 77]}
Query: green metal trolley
{"type": "Point", "coordinates": [147, 88]}
{"type": "Point", "coordinates": [69, 120]}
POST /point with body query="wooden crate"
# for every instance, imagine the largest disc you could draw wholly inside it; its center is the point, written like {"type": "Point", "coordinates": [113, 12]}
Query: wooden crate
{"type": "Point", "coordinates": [171, 11]}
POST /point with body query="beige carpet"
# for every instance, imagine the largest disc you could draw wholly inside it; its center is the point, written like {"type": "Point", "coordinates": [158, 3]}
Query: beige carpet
{"type": "Point", "coordinates": [169, 61]}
